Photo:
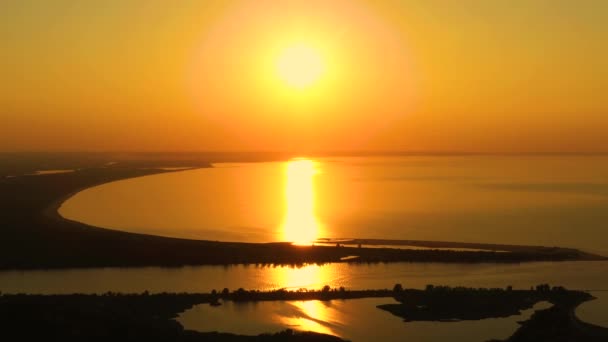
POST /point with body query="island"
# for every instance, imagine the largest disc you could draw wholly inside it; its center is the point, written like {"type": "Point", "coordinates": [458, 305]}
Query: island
{"type": "Point", "coordinates": [151, 317]}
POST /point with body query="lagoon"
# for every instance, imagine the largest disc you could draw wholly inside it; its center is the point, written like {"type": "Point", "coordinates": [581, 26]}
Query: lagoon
{"type": "Point", "coordinates": [354, 320]}
{"type": "Point", "coordinates": [533, 200]}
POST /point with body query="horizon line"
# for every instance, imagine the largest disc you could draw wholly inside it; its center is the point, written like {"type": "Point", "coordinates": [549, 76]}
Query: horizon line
{"type": "Point", "coordinates": [325, 152]}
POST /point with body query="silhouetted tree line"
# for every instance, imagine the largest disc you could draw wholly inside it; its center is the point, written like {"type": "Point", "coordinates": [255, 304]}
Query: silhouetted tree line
{"type": "Point", "coordinates": [145, 316]}
{"type": "Point", "coordinates": [464, 303]}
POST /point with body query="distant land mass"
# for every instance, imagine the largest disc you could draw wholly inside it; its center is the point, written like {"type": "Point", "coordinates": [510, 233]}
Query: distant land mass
{"type": "Point", "coordinates": [24, 162]}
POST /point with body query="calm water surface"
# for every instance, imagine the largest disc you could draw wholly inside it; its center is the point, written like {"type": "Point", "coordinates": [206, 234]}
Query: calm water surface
{"type": "Point", "coordinates": [355, 320]}
{"type": "Point", "coordinates": [559, 201]}
{"type": "Point", "coordinates": [520, 200]}
{"type": "Point", "coordinates": [573, 275]}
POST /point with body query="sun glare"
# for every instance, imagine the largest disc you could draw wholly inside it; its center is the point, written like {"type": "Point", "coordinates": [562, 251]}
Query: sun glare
{"type": "Point", "coordinates": [312, 315]}
{"type": "Point", "coordinates": [300, 225]}
{"type": "Point", "coordinates": [300, 66]}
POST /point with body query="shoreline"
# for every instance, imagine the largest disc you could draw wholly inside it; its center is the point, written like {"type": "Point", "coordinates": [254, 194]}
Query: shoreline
{"type": "Point", "coordinates": [52, 211]}
{"type": "Point", "coordinates": [149, 315]}
{"type": "Point", "coordinates": [38, 237]}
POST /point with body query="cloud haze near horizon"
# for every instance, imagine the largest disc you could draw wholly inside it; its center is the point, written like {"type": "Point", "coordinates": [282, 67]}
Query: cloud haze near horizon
{"type": "Point", "coordinates": [489, 76]}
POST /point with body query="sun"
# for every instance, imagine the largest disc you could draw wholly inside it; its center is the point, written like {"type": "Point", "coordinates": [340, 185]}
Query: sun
{"type": "Point", "coordinates": [300, 66]}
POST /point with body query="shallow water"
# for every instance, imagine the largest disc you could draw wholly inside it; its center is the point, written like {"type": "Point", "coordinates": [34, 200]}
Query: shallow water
{"type": "Point", "coordinates": [50, 172]}
{"type": "Point", "coordinates": [551, 201]}
{"type": "Point", "coordinates": [355, 319]}
{"type": "Point", "coordinates": [595, 311]}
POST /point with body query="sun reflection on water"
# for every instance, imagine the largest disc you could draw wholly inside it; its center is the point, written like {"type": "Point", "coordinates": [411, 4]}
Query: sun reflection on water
{"type": "Point", "coordinates": [300, 224]}
{"type": "Point", "coordinates": [312, 315]}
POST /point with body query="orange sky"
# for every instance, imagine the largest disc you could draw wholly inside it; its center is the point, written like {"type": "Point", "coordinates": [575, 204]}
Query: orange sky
{"type": "Point", "coordinates": [472, 75]}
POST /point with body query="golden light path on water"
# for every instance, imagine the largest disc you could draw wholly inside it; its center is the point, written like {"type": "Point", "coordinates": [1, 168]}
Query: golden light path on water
{"type": "Point", "coordinates": [314, 316]}
{"type": "Point", "coordinates": [300, 224]}
{"type": "Point", "coordinates": [307, 315]}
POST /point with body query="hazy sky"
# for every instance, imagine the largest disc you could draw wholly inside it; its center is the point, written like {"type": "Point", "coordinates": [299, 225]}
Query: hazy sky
{"type": "Point", "coordinates": [470, 75]}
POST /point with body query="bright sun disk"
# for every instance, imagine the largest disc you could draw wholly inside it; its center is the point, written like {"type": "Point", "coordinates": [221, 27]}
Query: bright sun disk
{"type": "Point", "coordinates": [300, 66]}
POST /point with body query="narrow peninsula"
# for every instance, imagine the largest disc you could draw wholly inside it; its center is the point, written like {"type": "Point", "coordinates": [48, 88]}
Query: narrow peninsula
{"type": "Point", "coordinates": [35, 236]}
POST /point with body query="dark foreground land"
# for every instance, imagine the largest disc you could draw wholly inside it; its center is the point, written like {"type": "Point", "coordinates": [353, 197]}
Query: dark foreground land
{"type": "Point", "coordinates": [146, 317]}
{"type": "Point", "coordinates": [115, 317]}
{"type": "Point", "coordinates": [34, 236]}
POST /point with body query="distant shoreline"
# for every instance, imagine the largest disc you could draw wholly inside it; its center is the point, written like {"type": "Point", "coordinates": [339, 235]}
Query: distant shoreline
{"type": "Point", "coordinates": [38, 237]}
{"type": "Point", "coordinates": [52, 211]}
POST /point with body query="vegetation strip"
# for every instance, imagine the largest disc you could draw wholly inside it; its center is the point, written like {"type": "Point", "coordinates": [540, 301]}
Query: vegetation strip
{"type": "Point", "coordinates": [147, 316]}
